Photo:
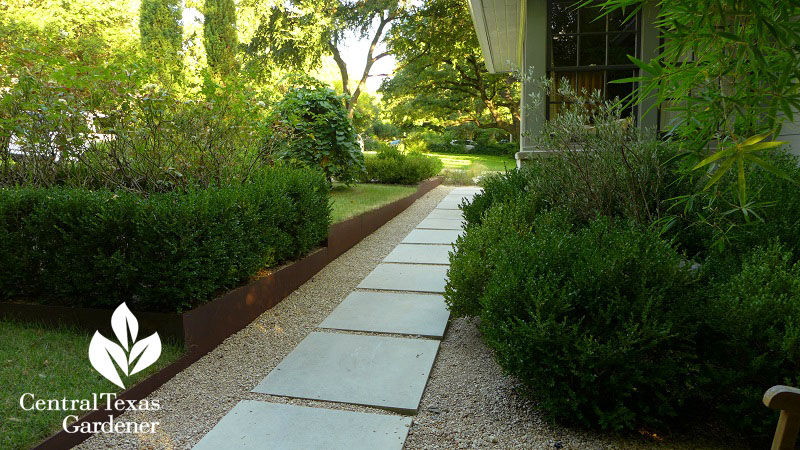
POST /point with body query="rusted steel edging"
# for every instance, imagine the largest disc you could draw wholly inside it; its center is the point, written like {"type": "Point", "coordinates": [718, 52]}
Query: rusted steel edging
{"type": "Point", "coordinates": [205, 327]}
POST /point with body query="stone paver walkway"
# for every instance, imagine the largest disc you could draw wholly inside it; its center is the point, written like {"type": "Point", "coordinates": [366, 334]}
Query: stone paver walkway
{"type": "Point", "coordinates": [258, 425]}
{"type": "Point", "coordinates": [399, 305]}
{"type": "Point", "coordinates": [390, 312]}
{"type": "Point", "coordinates": [419, 254]}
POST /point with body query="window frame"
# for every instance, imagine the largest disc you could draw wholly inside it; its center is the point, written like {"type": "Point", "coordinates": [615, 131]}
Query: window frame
{"type": "Point", "coordinates": [605, 68]}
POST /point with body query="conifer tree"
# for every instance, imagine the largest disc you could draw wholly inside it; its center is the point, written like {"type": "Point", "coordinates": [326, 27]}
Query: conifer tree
{"type": "Point", "coordinates": [161, 35]}
{"type": "Point", "coordinates": [221, 41]}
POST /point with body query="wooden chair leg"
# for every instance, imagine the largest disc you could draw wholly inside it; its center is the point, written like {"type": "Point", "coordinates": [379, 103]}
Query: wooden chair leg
{"type": "Point", "coordinates": [786, 400]}
{"type": "Point", "coordinates": [786, 433]}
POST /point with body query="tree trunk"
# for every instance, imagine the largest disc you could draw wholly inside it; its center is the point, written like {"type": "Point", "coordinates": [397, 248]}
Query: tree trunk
{"type": "Point", "coordinates": [343, 72]}
{"type": "Point", "coordinates": [352, 99]}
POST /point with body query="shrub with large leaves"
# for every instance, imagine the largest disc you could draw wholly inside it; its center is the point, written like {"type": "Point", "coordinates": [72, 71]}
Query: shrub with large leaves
{"type": "Point", "coordinates": [309, 127]}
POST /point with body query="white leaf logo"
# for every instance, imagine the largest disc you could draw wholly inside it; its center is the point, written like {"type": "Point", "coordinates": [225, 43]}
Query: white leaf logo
{"type": "Point", "coordinates": [103, 353]}
{"type": "Point", "coordinates": [106, 356]}
{"type": "Point", "coordinates": [149, 349]}
{"type": "Point", "coordinates": [123, 320]}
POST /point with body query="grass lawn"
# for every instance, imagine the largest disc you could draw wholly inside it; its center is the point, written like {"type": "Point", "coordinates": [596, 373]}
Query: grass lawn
{"type": "Point", "coordinates": [478, 163]}
{"type": "Point", "coordinates": [351, 201]}
{"type": "Point", "coordinates": [51, 363]}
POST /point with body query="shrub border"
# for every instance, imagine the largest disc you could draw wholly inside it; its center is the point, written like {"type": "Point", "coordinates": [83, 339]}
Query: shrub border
{"type": "Point", "coordinates": [203, 328]}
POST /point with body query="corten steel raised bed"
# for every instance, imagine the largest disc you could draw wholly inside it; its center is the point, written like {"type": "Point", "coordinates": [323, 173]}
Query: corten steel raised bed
{"type": "Point", "coordinates": [203, 328]}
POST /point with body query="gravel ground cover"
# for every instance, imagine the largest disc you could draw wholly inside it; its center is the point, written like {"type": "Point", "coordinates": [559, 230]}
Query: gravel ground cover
{"type": "Point", "coordinates": [468, 403]}
{"type": "Point", "coordinates": [197, 398]}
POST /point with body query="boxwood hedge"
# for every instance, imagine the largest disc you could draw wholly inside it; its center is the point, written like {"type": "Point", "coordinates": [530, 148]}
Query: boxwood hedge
{"type": "Point", "coordinates": [596, 322]}
{"type": "Point", "coordinates": [607, 323]}
{"type": "Point", "coordinates": [390, 166]}
{"type": "Point", "coordinates": [162, 252]}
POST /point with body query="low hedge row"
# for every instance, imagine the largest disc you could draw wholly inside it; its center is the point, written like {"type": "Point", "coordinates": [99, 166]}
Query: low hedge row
{"type": "Point", "coordinates": [390, 166]}
{"type": "Point", "coordinates": [164, 252]}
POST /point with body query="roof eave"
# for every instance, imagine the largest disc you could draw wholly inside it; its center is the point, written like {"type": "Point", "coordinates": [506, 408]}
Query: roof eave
{"type": "Point", "coordinates": [501, 39]}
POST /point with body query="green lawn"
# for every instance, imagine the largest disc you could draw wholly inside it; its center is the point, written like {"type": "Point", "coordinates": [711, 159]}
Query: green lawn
{"type": "Point", "coordinates": [351, 201]}
{"type": "Point", "coordinates": [51, 363]}
{"type": "Point", "coordinates": [477, 163]}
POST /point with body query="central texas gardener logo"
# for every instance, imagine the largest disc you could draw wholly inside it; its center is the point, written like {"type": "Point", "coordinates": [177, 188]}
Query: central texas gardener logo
{"type": "Point", "coordinates": [104, 353]}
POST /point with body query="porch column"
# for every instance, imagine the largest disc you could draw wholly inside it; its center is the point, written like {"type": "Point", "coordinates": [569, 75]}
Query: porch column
{"type": "Point", "coordinates": [649, 43]}
{"type": "Point", "coordinates": [534, 61]}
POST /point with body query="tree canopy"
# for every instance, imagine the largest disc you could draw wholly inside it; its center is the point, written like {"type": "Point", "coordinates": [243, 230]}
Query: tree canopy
{"type": "Point", "coordinates": [81, 32]}
{"type": "Point", "coordinates": [442, 77]}
{"type": "Point", "coordinates": [295, 35]}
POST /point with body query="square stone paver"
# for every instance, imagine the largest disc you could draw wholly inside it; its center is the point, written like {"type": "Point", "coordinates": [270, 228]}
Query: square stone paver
{"type": "Point", "coordinates": [406, 277]}
{"type": "Point", "coordinates": [445, 214]}
{"type": "Point", "coordinates": [390, 312]}
{"type": "Point", "coordinates": [449, 204]}
{"type": "Point", "coordinates": [465, 190]}
{"type": "Point", "coordinates": [386, 372]}
{"type": "Point", "coordinates": [420, 254]}
{"type": "Point", "coordinates": [418, 236]}
{"type": "Point", "coordinates": [260, 425]}
{"type": "Point", "coordinates": [458, 197]}
{"type": "Point", "coordinates": [453, 195]}
{"type": "Point", "coordinates": [441, 224]}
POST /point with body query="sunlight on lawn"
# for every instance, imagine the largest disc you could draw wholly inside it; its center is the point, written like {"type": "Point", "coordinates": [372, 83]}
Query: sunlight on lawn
{"type": "Point", "coordinates": [350, 201]}
{"type": "Point", "coordinates": [466, 161]}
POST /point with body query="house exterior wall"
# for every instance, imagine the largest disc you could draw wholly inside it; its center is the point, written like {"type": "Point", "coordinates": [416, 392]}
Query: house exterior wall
{"type": "Point", "coordinates": [529, 19]}
{"type": "Point", "coordinates": [791, 134]}
{"type": "Point", "coordinates": [534, 68]}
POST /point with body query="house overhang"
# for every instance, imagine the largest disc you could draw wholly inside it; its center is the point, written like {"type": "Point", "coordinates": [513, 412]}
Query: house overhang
{"type": "Point", "coordinates": [499, 25]}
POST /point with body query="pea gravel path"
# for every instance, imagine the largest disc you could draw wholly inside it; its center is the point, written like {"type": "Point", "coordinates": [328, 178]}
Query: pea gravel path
{"type": "Point", "coordinates": [467, 402]}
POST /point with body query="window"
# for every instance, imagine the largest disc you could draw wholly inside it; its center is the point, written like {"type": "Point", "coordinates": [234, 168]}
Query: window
{"type": "Point", "coordinates": [589, 52]}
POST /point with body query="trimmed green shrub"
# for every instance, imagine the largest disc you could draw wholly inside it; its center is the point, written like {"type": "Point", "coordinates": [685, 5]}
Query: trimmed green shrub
{"type": "Point", "coordinates": [752, 337]}
{"type": "Point", "coordinates": [577, 269]}
{"type": "Point", "coordinates": [595, 321]}
{"type": "Point", "coordinates": [309, 127]}
{"type": "Point", "coordinates": [163, 252]}
{"type": "Point", "coordinates": [711, 229]}
{"type": "Point", "coordinates": [496, 148]}
{"type": "Point", "coordinates": [386, 131]}
{"type": "Point", "coordinates": [391, 166]}
{"type": "Point", "coordinates": [620, 172]}
{"type": "Point", "coordinates": [444, 147]}
{"type": "Point", "coordinates": [474, 260]}
{"type": "Point", "coordinates": [371, 144]}
{"type": "Point", "coordinates": [499, 188]}
{"type": "Point", "coordinates": [781, 212]}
